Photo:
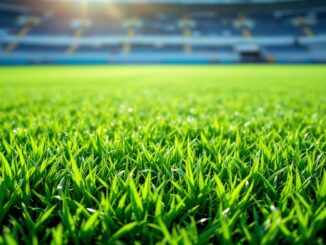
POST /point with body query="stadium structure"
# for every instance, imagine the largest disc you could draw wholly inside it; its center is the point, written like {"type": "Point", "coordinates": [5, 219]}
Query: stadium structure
{"type": "Point", "coordinates": [178, 31]}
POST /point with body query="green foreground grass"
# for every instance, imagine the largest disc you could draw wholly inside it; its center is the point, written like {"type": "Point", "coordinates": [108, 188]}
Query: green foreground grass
{"type": "Point", "coordinates": [177, 155]}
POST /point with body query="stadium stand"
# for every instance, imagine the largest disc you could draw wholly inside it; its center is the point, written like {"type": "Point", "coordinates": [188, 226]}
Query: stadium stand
{"type": "Point", "coordinates": [171, 33]}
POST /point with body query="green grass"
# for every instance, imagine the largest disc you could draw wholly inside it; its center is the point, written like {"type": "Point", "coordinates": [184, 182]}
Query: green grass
{"type": "Point", "coordinates": [170, 155]}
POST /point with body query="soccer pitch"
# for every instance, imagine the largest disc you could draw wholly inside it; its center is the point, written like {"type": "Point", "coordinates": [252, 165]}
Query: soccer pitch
{"type": "Point", "coordinates": [163, 154]}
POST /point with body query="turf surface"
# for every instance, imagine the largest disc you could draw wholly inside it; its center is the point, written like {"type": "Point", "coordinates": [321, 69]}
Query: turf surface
{"type": "Point", "coordinates": [187, 155]}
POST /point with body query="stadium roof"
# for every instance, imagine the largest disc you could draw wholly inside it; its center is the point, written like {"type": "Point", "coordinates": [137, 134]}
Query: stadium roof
{"type": "Point", "coordinates": [160, 5]}
{"type": "Point", "coordinates": [181, 1]}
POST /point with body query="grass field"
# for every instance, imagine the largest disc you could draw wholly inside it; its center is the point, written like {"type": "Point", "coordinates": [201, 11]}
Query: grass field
{"type": "Point", "coordinates": [150, 154]}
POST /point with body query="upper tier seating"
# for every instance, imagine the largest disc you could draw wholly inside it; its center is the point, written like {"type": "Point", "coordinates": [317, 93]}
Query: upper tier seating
{"type": "Point", "coordinates": [8, 21]}
{"type": "Point", "coordinates": [202, 25]}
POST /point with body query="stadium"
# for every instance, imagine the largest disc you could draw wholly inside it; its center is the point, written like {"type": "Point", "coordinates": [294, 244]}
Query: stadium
{"type": "Point", "coordinates": [162, 122]}
{"type": "Point", "coordinates": [61, 32]}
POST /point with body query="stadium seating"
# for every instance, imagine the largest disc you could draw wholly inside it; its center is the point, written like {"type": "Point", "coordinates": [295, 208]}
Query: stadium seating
{"type": "Point", "coordinates": [277, 36]}
{"type": "Point", "coordinates": [8, 21]}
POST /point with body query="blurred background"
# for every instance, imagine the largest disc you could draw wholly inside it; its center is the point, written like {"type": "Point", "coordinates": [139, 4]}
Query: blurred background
{"type": "Point", "coordinates": [162, 31]}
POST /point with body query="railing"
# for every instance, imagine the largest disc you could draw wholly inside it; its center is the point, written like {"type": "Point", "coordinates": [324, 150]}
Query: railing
{"type": "Point", "coordinates": [158, 40]}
